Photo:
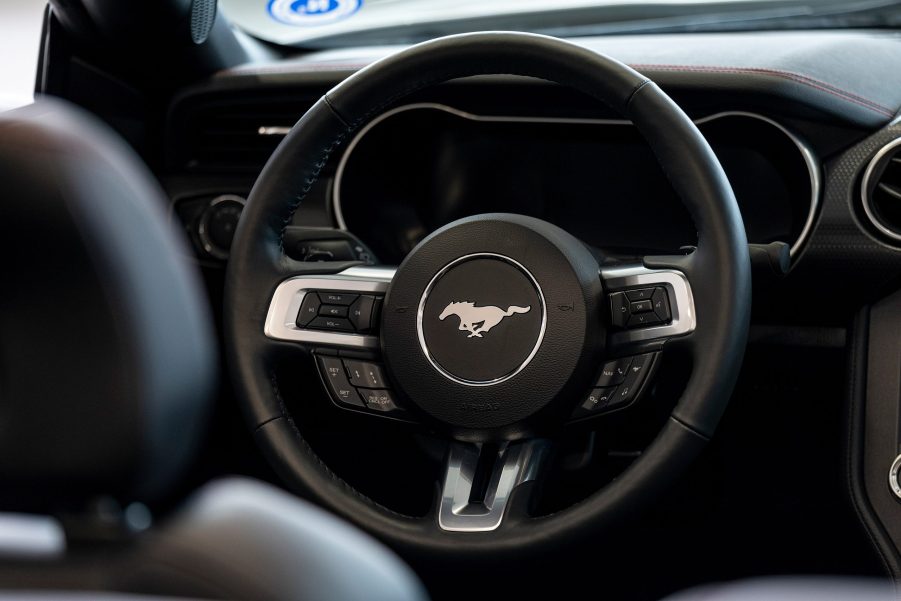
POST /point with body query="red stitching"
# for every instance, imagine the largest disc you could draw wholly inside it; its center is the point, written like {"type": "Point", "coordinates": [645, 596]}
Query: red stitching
{"type": "Point", "coordinates": [796, 77]}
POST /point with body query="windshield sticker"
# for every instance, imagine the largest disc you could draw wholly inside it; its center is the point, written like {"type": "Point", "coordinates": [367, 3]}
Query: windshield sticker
{"type": "Point", "coordinates": [311, 13]}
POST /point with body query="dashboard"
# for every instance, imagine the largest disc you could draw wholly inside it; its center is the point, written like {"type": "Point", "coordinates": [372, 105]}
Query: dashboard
{"type": "Point", "coordinates": [779, 109]}
{"type": "Point", "coordinates": [593, 177]}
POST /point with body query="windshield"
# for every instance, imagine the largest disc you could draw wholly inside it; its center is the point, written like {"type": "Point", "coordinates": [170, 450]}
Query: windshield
{"type": "Point", "coordinates": [323, 23]}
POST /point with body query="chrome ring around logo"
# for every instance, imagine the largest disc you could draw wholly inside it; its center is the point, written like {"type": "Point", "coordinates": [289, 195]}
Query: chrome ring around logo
{"type": "Point", "coordinates": [312, 13]}
{"type": "Point", "coordinates": [421, 310]}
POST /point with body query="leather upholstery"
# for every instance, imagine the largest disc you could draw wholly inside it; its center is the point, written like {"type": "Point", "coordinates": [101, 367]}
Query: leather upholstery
{"type": "Point", "coordinates": [235, 539]}
{"type": "Point", "coordinates": [792, 588]}
{"type": "Point", "coordinates": [106, 355]}
{"type": "Point", "coordinates": [106, 370]}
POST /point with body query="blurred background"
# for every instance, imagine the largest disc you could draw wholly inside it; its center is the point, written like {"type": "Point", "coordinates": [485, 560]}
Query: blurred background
{"type": "Point", "coordinates": [20, 32]}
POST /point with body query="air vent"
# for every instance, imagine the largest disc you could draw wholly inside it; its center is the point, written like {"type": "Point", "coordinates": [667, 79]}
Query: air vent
{"type": "Point", "coordinates": [213, 134]}
{"type": "Point", "coordinates": [881, 191]}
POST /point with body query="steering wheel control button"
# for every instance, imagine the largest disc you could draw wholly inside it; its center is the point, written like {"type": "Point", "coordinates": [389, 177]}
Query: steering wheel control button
{"type": "Point", "coordinates": [333, 311]}
{"type": "Point", "coordinates": [635, 378]}
{"type": "Point", "coordinates": [614, 372]}
{"type": "Point", "coordinates": [643, 319]}
{"type": "Point", "coordinates": [481, 319]}
{"type": "Point", "coordinates": [334, 324]}
{"type": "Point", "coordinates": [595, 402]}
{"type": "Point", "coordinates": [641, 306]}
{"type": "Point", "coordinates": [362, 313]}
{"type": "Point", "coordinates": [365, 374]}
{"type": "Point", "coordinates": [660, 301]}
{"type": "Point", "coordinates": [619, 309]}
{"type": "Point", "coordinates": [309, 309]}
{"type": "Point", "coordinates": [620, 384]}
{"type": "Point", "coordinates": [336, 380]}
{"type": "Point", "coordinates": [640, 294]}
{"type": "Point", "coordinates": [380, 400]}
{"type": "Point", "coordinates": [337, 298]}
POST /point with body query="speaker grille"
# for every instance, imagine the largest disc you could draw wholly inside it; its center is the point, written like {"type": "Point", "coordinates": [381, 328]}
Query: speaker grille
{"type": "Point", "coordinates": [203, 15]}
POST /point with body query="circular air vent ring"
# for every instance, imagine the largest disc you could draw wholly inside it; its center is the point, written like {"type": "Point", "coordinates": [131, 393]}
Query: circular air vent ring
{"type": "Point", "coordinates": [871, 183]}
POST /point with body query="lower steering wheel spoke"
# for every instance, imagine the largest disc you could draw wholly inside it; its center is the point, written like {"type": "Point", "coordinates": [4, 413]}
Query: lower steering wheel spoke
{"type": "Point", "coordinates": [480, 480]}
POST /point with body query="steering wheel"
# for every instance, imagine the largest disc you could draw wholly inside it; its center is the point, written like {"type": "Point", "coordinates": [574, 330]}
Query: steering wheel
{"type": "Point", "coordinates": [496, 328]}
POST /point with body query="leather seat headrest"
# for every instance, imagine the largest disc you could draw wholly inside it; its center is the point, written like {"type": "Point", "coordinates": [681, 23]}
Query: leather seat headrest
{"type": "Point", "coordinates": [107, 356]}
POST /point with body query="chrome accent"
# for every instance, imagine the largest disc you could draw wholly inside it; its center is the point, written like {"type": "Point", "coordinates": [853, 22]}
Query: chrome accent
{"type": "Point", "coordinates": [421, 309]}
{"type": "Point", "coordinates": [203, 225]}
{"type": "Point", "coordinates": [807, 153]}
{"type": "Point", "coordinates": [34, 536]}
{"type": "Point", "coordinates": [682, 304]}
{"type": "Point", "coordinates": [288, 296]}
{"type": "Point", "coordinates": [813, 169]}
{"type": "Point", "coordinates": [273, 130]}
{"type": "Point", "coordinates": [516, 463]}
{"type": "Point", "coordinates": [893, 477]}
{"type": "Point", "coordinates": [865, 183]}
{"type": "Point", "coordinates": [469, 313]}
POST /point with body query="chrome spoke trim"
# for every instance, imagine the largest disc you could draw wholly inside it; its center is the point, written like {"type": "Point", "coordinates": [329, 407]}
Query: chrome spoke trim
{"type": "Point", "coordinates": [516, 463]}
{"type": "Point", "coordinates": [682, 304]}
{"type": "Point", "coordinates": [288, 297]}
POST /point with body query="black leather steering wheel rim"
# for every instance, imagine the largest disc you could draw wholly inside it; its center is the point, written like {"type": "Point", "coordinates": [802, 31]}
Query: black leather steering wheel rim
{"type": "Point", "coordinates": [719, 271]}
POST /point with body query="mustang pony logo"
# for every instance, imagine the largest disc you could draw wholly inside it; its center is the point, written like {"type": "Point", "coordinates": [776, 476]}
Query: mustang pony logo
{"type": "Point", "coordinates": [476, 320]}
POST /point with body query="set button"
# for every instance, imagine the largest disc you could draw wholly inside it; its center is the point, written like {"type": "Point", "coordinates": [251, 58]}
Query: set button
{"type": "Point", "coordinates": [357, 383]}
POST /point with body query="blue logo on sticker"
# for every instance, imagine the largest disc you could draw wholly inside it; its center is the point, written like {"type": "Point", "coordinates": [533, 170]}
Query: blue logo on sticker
{"type": "Point", "coordinates": [310, 13]}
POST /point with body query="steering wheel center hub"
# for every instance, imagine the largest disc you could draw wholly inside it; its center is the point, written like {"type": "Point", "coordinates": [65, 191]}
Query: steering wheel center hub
{"type": "Point", "coordinates": [481, 319]}
{"type": "Point", "coordinates": [490, 320]}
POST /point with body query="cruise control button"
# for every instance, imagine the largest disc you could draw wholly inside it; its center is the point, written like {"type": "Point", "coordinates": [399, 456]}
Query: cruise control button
{"type": "Point", "coordinates": [619, 309]}
{"type": "Point", "coordinates": [380, 400]}
{"type": "Point", "coordinates": [335, 324]}
{"type": "Point", "coordinates": [337, 298]}
{"type": "Point", "coordinates": [643, 319]}
{"type": "Point", "coordinates": [333, 311]}
{"type": "Point", "coordinates": [596, 400]}
{"type": "Point", "coordinates": [365, 374]}
{"type": "Point", "coordinates": [639, 294]}
{"type": "Point", "coordinates": [614, 372]}
{"type": "Point", "coordinates": [309, 309]}
{"type": "Point", "coordinates": [360, 314]}
{"type": "Point", "coordinates": [660, 300]}
{"type": "Point", "coordinates": [336, 379]}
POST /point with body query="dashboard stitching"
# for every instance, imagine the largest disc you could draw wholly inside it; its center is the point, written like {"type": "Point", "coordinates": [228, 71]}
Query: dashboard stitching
{"type": "Point", "coordinates": [796, 77]}
{"type": "Point", "coordinates": [803, 79]}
